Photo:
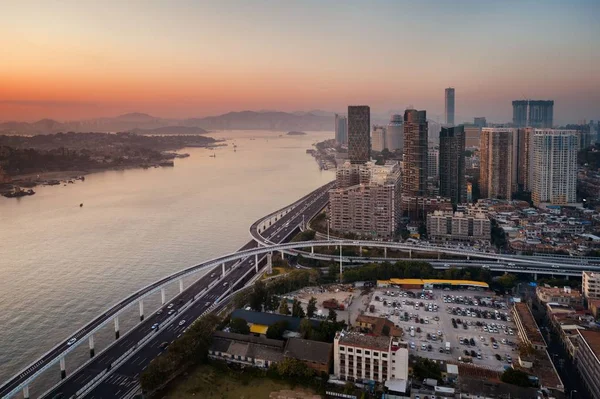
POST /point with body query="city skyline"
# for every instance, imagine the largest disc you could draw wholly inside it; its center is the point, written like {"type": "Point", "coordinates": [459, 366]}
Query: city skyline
{"type": "Point", "coordinates": [79, 60]}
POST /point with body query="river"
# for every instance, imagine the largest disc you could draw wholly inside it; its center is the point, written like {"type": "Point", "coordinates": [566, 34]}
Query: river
{"type": "Point", "coordinates": [62, 264]}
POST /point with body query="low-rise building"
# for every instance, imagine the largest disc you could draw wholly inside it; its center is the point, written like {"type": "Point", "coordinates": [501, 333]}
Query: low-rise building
{"type": "Point", "coordinates": [361, 357]}
{"type": "Point", "coordinates": [260, 322]}
{"type": "Point", "coordinates": [316, 355]}
{"type": "Point", "coordinates": [377, 326]}
{"type": "Point", "coordinates": [587, 360]}
{"type": "Point", "coordinates": [591, 285]}
{"type": "Point", "coordinates": [563, 296]}
{"type": "Point", "coordinates": [529, 331]}
{"type": "Point", "coordinates": [458, 226]}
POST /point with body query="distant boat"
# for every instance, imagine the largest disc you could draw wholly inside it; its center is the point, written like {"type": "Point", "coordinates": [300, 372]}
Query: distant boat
{"type": "Point", "coordinates": [213, 155]}
{"type": "Point", "coordinates": [81, 205]}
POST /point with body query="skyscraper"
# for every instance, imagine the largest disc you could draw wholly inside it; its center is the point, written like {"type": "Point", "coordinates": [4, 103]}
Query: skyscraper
{"type": "Point", "coordinates": [378, 142]}
{"type": "Point", "coordinates": [414, 176]}
{"type": "Point", "coordinates": [359, 139]}
{"type": "Point", "coordinates": [554, 166]}
{"type": "Point", "coordinates": [522, 159]}
{"type": "Point", "coordinates": [449, 106]}
{"type": "Point", "coordinates": [341, 130]}
{"type": "Point", "coordinates": [496, 164]}
{"type": "Point", "coordinates": [394, 137]}
{"type": "Point", "coordinates": [452, 164]}
{"type": "Point", "coordinates": [533, 113]}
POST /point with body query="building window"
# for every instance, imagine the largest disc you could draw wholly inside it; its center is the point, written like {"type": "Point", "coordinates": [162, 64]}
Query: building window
{"type": "Point", "coordinates": [350, 350]}
{"type": "Point", "coordinates": [384, 355]}
{"type": "Point", "coordinates": [342, 348]}
{"type": "Point", "coordinates": [358, 351]}
{"type": "Point", "coordinates": [367, 352]}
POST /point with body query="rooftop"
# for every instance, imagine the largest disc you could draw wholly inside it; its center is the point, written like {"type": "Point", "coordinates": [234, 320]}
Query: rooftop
{"type": "Point", "coordinates": [378, 324]}
{"type": "Point", "coordinates": [592, 339]}
{"type": "Point", "coordinates": [306, 350]}
{"type": "Point", "coordinates": [531, 328]}
{"type": "Point", "coordinates": [353, 338]}
{"type": "Point", "coordinates": [418, 281]}
{"type": "Point", "coordinates": [247, 346]}
{"type": "Point", "coordinates": [268, 319]}
{"type": "Point", "coordinates": [563, 292]}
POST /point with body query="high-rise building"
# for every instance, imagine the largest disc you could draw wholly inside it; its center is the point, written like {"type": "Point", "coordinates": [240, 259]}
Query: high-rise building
{"type": "Point", "coordinates": [480, 121]}
{"type": "Point", "coordinates": [457, 226]}
{"type": "Point", "coordinates": [433, 162]}
{"type": "Point", "coordinates": [496, 164]}
{"type": "Point", "coordinates": [590, 283]}
{"type": "Point", "coordinates": [533, 113]}
{"type": "Point", "coordinates": [341, 130]}
{"type": "Point", "coordinates": [554, 166]}
{"type": "Point", "coordinates": [449, 108]}
{"type": "Point", "coordinates": [394, 137]}
{"type": "Point", "coordinates": [370, 207]}
{"type": "Point", "coordinates": [359, 139]}
{"type": "Point", "coordinates": [378, 142]}
{"type": "Point", "coordinates": [414, 175]}
{"type": "Point", "coordinates": [472, 136]}
{"type": "Point", "coordinates": [452, 164]}
{"type": "Point", "coordinates": [522, 159]}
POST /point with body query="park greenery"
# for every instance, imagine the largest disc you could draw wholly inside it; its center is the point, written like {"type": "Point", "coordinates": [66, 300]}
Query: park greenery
{"type": "Point", "coordinates": [426, 368]}
{"type": "Point", "coordinates": [516, 377]}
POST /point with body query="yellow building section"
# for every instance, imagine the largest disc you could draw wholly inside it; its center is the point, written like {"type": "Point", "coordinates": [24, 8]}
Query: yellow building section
{"type": "Point", "coordinates": [258, 329]}
{"type": "Point", "coordinates": [418, 281]}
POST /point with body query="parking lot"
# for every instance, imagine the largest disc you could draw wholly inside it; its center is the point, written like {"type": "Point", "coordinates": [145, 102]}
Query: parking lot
{"type": "Point", "coordinates": [476, 325]}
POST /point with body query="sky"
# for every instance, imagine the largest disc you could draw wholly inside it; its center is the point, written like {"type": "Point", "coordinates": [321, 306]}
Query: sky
{"type": "Point", "coordinates": [71, 60]}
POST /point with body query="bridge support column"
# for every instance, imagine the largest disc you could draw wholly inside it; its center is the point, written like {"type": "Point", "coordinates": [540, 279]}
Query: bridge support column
{"type": "Point", "coordinates": [162, 296]}
{"type": "Point", "coordinates": [312, 250]}
{"type": "Point", "coordinates": [63, 369]}
{"type": "Point", "coordinates": [360, 251]}
{"type": "Point", "coordinates": [141, 310]}
{"type": "Point", "coordinates": [341, 271]}
{"type": "Point", "coordinates": [223, 268]}
{"type": "Point", "coordinates": [410, 253]}
{"type": "Point", "coordinates": [468, 257]}
{"type": "Point", "coordinates": [270, 263]}
{"type": "Point", "coordinates": [256, 263]}
{"type": "Point", "coordinates": [385, 252]}
{"type": "Point", "coordinates": [26, 392]}
{"type": "Point", "coordinates": [566, 276]}
{"type": "Point", "coordinates": [439, 256]}
{"type": "Point", "coordinates": [92, 350]}
{"type": "Point", "coordinates": [535, 276]}
{"type": "Point", "coordinates": [282, 255]}
{"type": "Point", "coordinates": [117, 327]}
{"type": "Point", "coordinates": [180, 285]}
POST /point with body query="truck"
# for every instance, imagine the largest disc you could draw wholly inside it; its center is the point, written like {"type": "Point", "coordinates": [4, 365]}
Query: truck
{"type": "Point", "coordinates": [333, 304]}
{"type": "Point", "coordinates": [447, 347]}
{"type": "Point", "coordinates": [465, 359]}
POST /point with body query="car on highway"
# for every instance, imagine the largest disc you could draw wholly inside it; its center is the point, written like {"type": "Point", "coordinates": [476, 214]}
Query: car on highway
{"type": "Point", "coordinates": [225, 284]}
{"type": "Point", "coordinates": [164, 345]}
{"type": "Point", "coordinates": [155, 326]}
{"type": "Point", "coordinates": [207, 303]}
{"type": "Point", "coordinates": [182, 322]}
{"type": "Point", "coordinates": [159, 311]}
{"type": "Point", "coordinates": [171, 312]}
{"type": "Point", "coordinates": [71, 341]}
{"type": "Point", "coordinates": [170, 306]}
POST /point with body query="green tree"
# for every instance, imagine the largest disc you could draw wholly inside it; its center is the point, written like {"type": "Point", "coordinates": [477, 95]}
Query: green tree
{"type": "Point", "coordinates": [239, 326]}
{"type": "Point", "coordinates": [311, 308]}
{"type": "Point", "coordinates": [516, 377]}
{"type": "Point", "coordinates": [306, 328]}
{"type": "Point", "coordinates": [297, 310]}
{"type": "Point", "coordinates": [507, 281]}
{"type": "Point", "coordinates": [258, 296]}
{"type": "Point", "coordinates": [294, 369]}
{"type": "Point", "coordinates": [426, 368]}
{"type": "Point", "coordinates": [332, 315]}
{"type": "Point", "coordinates": [276, 330]}
{"type": "Point", "coordinates": [283, 307]}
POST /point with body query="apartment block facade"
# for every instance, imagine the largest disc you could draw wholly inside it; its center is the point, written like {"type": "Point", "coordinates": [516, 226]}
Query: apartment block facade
{"type": "Point", "coordinates": [359, 138]}
{"type": "Point", "coordinates": [496, 164]}
{"type": "Point", "coordinates": [591, 285]}
{"type": "Point", "coordinates": [457, 226]}
{"type": "Point", "coordinates": [452, 164]}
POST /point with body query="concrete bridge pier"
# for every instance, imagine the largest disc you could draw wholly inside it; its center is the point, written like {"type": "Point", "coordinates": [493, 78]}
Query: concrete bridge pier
{"type": "Point", "coordinates": [312, 250]}
{"type": "Point", "coordinates": [385, 252]}
{"type": "Point", "coordinates": [410, 253]}
{"type": "Point", "coordinates": [223, 268]}
{"type": "Point", "coordinates": [282, 255]}
{"type": "Point", "coordinates": [535, 276]}
{"type": "Point", "coordinates": [63, 369]}
{"type": "Point", "coordinates": [360, 250]}
{"type": "Point", "coordinates": [141, 310]}
{"type": "Point", "coordinates": [439, 255]}
{"type": "Point", "coordinates": [566, 276]}
{"type": "Point", "coordinates": [92, 350]}
{"type": "Point", "coordinates": [162, 296]}
{"type": "Point", "coordinates": [180, 285]}
{"type": "Point", "coordinates": [270, 263]}
{"type": "Point", "coordinates": [341, 262]}
{"type": "Point", "coordinates": [256, 263]}
{"type": "Point", "coordinates": [468, 257]}
{"type": "Point", "coordinates": [26, 392]}
{"type": "Point", "coordinates": [117, 327]}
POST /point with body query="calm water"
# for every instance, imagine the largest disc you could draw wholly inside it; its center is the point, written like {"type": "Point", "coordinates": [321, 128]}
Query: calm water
{"type": "Point", "coordinates": [61, 265]}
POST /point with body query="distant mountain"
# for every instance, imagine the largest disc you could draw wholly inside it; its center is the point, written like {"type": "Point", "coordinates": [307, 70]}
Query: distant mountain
{"type": "Point", "coordinates": [171, 130]}
{"type": "Point", "coordinates": [271, 120]}
{"type": "Point", "coordinates": [137, 117]}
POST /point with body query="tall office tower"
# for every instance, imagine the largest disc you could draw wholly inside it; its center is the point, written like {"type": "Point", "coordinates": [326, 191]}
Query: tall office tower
{"type": "Point", "coordinates": [341, 130]}
{"type": "Point", "coordinates": [414, 176]}
{"type": "Point", "coordinates": [348, 175]}
{"type": "Point", "coordinates": [449, 106]}
{"type": "Point", "coordinates": [378, 142]}
{"type": "Point", "coordinates": [521, 159]}
{"type": "Point", "coordinates": [533, 113]}
{"type": "Point", "coordinates": [359, 139]}
{"type": "Point", "coordinates": [496, 164]}
{"type": "Point", "coordinates": [394, 137]}
{"type": "Point", "coordinates": [554, 166]}
{"type": "Point", "coordinates": [480, 121]}
{"type": "Point", "coordinates": [433, 163]}
{"type": "Point", "coordinates": [472, 136]}
{"type": "Point", "coordinates": [452, 164]}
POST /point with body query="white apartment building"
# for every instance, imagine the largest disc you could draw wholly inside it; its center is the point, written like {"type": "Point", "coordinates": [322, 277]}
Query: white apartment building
{"type": "Point", "coordinates": [378, 138]}
{"type": "Point", "coordinates": [458, 226]}
{"type": "Point", "coordinates": [553, 166]}
{"type": "Point", "coordinates": [357, 356]}
{"type": "Point", "coordinates": [369, 207]}
{"type": "Point", "coordinates": [591, 285]}
{"type": "Point", "coordinates": [433, 162]}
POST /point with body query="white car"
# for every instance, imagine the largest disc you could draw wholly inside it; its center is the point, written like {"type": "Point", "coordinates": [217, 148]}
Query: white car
{"type": "Point", "coordinates": [71, 341]}
{"type": "Point", "coordinates": [182, 322]}
{"type": "Point", "coordinates": [170, 306]}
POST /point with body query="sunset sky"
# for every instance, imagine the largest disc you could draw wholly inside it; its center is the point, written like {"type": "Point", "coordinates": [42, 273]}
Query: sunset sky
{"type": "Point", "coordinates": [80, 59]}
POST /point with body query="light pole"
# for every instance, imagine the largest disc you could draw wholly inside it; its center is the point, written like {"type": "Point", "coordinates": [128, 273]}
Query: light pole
{"type": "Point", "coordinates": [571, 394]}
